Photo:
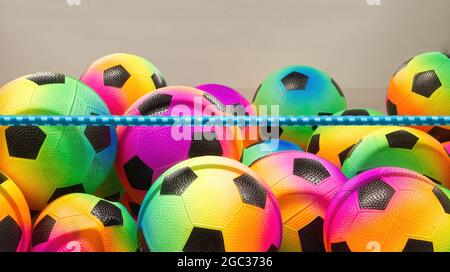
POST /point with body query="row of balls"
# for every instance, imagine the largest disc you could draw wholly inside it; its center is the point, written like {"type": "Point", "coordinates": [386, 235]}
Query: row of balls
{"type": "Point", "coordinates": [79, 159]}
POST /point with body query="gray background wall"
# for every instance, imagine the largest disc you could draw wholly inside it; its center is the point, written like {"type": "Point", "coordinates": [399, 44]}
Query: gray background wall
{"type": "Point", "coordinates": [231, 42]}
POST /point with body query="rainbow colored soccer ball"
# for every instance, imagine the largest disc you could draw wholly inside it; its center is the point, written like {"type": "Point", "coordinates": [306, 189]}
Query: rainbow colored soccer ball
{"type": "Point", "coordinates": [389, 210]}
{"type": "Point", "coordinates": [121, 79]}
{"type": "Point", "coordinates": [15, 221]}
{"type": "Point", "coordinates": [209, 204]}
{"type": "Point", "coordinates": [84, 223]}
{"type": "Point", "coordinates": [237, 105]}
{"type": "Point", "coordinates": [303, 185]}
{"type": "Point", "coordinates": [146, 152]}
{"type": "Point", "coordinates": [47, 162]}
{"type": "Point", "coordinates": [421, 86]}
{"type": "Point", "coordinates": [299, 90]}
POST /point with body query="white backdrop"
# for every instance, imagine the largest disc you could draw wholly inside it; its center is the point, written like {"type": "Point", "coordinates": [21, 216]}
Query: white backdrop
{"type": "Point", "coordinates": [231, 42]}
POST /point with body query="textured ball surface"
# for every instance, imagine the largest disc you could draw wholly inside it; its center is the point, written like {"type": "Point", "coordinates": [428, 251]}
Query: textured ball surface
{"type": "Point", "coordinates": [121, 79]}
{"type": "Point", "coordinates": [388, 209]}
{"type": "Point", "coordinates": [299, 90]}
{"type": "Point", "coordinates": [400, 147]}
{"type": "Point", "coordinates": [15, 221]}
{"type": "Point", "coordinates": [333, 143]}
{"type": "Point", "coordinates": [236, 105]}
{"type": "Point", "coordinates": [209, 204]}
{"type": "Point", "coordinates": [262, 149]}
{"type": "Point", "coordinates": [146, 152]}
{"type": "Point", "coordinates": [84, 223]}
{"type": "Point", "coordinates": [447, 148]}
{"type": "Point", "coordinates": [303, 185]}
{"type": "Point", "coordinates": [421, 86]}
{"type": "Point", "coordinates": [50, 161]}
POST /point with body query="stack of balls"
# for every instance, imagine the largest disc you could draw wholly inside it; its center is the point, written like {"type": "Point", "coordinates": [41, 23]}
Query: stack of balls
{"type": "Point", "coordinates": [223, 188]}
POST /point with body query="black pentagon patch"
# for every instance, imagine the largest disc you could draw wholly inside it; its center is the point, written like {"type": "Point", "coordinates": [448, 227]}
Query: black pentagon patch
{"type": "Point", "coordinates": [433, 179]}
{"type": "Point", "coordinates": [414, 245]}
{"type": "Point", "coordinates": [341, 93]}
{"type": "Point", "coordinates": [108, 213]}
{"type": "Point", "coordinates": [340, 247]}
{"type": "Point", "coordinates": [403, 65]}
{"type": "Point", "coordinates": [311, 236]}
{"type": "Point", "coordinates": [34, 214]}
{"type": "Point", "coordinates": [98, 137]}
{"type": "Point", "coordinates": [205, 240]}
{"type": "Point", "coordinates": [314, 144]}
{"type": "Point", "coordinates": [24, 142]}
{"type": "Point", "coordinates": [113, 198]}
{"type": "Point", "coordinates": [219, 105]}
{"type": "Point", "coordinates": [159, 81]}
{"type": "Point", "coordinates": [155, 104]}
{"type": "Point", "coordinates": [42, 230]}
{"type": "Point", "coordinates": [311, 170]}
{"type": "Point", "coordinates": [344, 154]}
{"type": "Point", "coordinates": [256, 93]}
{"type": "Point", "coordinates": [44, 78]}
{"type": "Point", "coordinates": [3, 177]}
{"type": "Point", "coordinates": [208, 145]}
{"type": "Point", "coordinates": [251, 191]}
{"type": "Point", "coordinates": [402, 139]}
{"type": "Point", "coordinates": [134, 208]}
{"type": "Point", "coordinates": [139, 175]}
{"type": "Point", "coordinates": [143, 247]}
{"type": "Point", "coordinates": [443, 199]}
{"type": "Point", "coordinates": [273, 248]}
{"type": "Point", "coordinates": [440, 134]}
{"type": "Point", "coordinates": [10, 235]}
{"type": "Point", "coordinates": [177, 182]}
{"type": "Point", "coordinates": [426, 83]}
{"type": "Point", "coordinates": [375, 195]}
{"type": "Point", "coordinates": [65, 191]}
{"type": "Point", "coordinates": [356, 112]}
{"type": "Point", "coordinates": [391, 108]}
{"type": "Point", "coordinates": [115, 76]}
{"type": "Point", "coordinates": [295, 81]}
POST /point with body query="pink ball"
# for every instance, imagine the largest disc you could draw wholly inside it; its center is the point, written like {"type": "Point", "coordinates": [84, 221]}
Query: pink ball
{"type": "Point", "coordinates": [144, 153]}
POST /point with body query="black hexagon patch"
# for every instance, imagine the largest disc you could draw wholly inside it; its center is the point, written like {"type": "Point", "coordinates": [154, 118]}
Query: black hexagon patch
{"type": "Point", "coordinates": [205, 240]}
{"type": "Point", "coordinates": [108, 214]}
{"type": "Point", "coordinates": [391, 107]}
{"type": "Point", "coordinates": [295, 81]}
{"type": "Point", "coordinates": [98, 137]}
{"type": "Point", "coordinates": [159, 81]}
{"type": "Point", "coordinates": [375, 195]}
{"type": "Point", "coordinates": [344, 154]}
{"type": "Point", "coordinates": [207, 144]}
{"type": "Point", "coordinates": [443, 199]}
{"type": "Point", "coordinates": [138, 173]}
{"type": "Point", "coordinates": [155, 104]}
{"type": "Point", "coordinates": [44, 78]}
{"type": "Point", "coordinates": [42, 230]}
{"type": "Point", "coordinates": [311, 236]}
{"type": "Point", "coordinates": [78, 188]}
{"type": "Point", "coordinates": [115, 76]}
{"type": "Point", "coordinates": [177, 182]}
{"type": "Point", "coordinates": [24, 142]}
{"type": "Point", "coordinates": [355, 112]}
{"type": "Point", "coordinates": [251, 191]}
{"type": "Point", "coordinates": [414, 245]}
{"type": "Point", "coordinates": [341, 93]}
{"type": "Point", "coordinates": [426, 83]}
{"type": "Point", "coordinates": [402, 139]}
{"type": "Point", "coordinates": [314, 144]}
{"type": "Point", "coordinates": [340, 247]}
{"type": "Point", "coordinates": [441, 134]}
{"type": "Point", "coordinates": [311, 170]}
{"type": "Point", "coordinates": [10, 235]}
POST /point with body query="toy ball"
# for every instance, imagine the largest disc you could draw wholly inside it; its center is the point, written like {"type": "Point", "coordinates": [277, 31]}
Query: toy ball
{"type": "Point", "coordinates": [421, 86]}
{"type": "Point", "coordinates": [237, 105]}
{"type": "Point", "coordinates": [400, 147]}
{"type": "Point", "coordinates": [303, 185]}
{"type": "Point", "coordinates": [121, 79]}
{"type": "Point", "coordinates": [388, 210]}
{"type": "Point", "coordinates": [132, 207]}
{"type": "Point", "coordinates": [84, 223]}
{"type": "Point", "coordinates": [262, 149]}
{"type": "Point", "coordinates": [209, 204]}
{"type": "Point", "coordinates": [146, 152]}
{"type": "Point", "coordinates": [47, 162]}
{"type": "Point", "coordinates": [447, 148]}
{"type": "Point", "coordinates": [111, 189]}
{"type": "Point", "coordinates": [333, 143]}
{"type": "Point", "coordinates": [298, 90]}
{"type": "Point", "coordinates": [15, 221]}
